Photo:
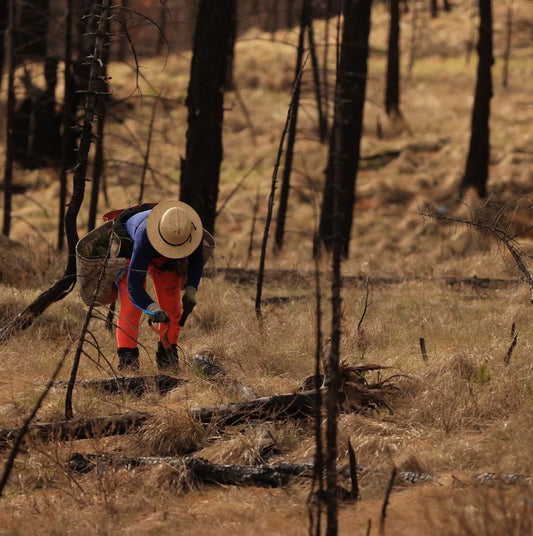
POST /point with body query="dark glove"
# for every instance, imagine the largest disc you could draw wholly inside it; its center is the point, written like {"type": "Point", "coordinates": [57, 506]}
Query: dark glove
{"type": "Point", "coordinates": [157, 315]}
{"type": "Point", "coordinates": [189, 299]}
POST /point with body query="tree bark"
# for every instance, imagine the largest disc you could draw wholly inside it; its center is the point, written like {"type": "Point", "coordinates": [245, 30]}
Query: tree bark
{"type": "Point", "coordinates": [322, 119]}
{"type": "Point", "coordinates": [4, 22]}
{"type": "Point", "coordinates": [136, 385]}
{"type": "Point", "coordinates": [214, 39]}
{"type": "Point", "coordinates": [348, 121]}
{"type": "Point", "coordinates": [507, 50]}
{"type": "Point", "coordinates": [477, 165]}
{"type": "Point", "coordinates": [392, 91]}
{"type": "Point", "coordinates": [10, 119]}
{"type": "Point", "coordinates": [271, 476]}
{"type": "Point", "coordinates": [81, 428]}
{"type": "Point", "coordinates": [64, 285]}
{"type": "Point", "coordinates": [291, 134]}
{"type": "Point", "coordinates": [69, 121]}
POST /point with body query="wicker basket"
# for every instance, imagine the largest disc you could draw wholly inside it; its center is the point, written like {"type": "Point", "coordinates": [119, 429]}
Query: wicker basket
{"type": "Point", "coordinates": [96, 275]}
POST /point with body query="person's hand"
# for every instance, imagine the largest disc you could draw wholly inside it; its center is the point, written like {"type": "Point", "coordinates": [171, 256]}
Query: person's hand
{"type": "Point", "coordinates": [157, 315]}
{"type": "Point", "coordinates": [189, 299]}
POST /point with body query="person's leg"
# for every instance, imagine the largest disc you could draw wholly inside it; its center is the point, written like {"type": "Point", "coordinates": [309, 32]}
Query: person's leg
{"type": "Point", "coordinates": [127, 331]}
{"type": "Point", "coordinates": [167, 286]}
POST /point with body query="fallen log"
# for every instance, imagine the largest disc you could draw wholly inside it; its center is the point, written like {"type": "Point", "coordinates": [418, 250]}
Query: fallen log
{"type": "Point", "coordinates": [273, 407]}
{"type": "Point", "coordinates": [292, 405]}
{"type": "Point", "coordinates": [135, 385]}
{"type": "Point", "coordinates": [81, 428]}
{"type": "Point", "coordinates": [297, 277]}
{"type": "Point", "coordinates": [201, 469]}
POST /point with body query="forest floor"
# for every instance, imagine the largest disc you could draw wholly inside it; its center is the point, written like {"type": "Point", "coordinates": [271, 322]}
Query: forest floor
{"type": "Point", "coordinates": [464, 412]}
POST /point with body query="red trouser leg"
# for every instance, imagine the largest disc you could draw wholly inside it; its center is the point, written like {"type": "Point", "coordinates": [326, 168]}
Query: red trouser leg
{"type": "Point", "coordinates": [128, 318]}
{"type": "Point", "coordinates": [167, 287]}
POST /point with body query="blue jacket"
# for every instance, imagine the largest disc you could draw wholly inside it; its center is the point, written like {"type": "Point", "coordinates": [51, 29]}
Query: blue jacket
{"type": "Point", "coordinates": [144, 253]}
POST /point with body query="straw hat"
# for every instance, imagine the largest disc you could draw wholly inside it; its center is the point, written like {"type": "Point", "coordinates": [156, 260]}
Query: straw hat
{"type": "Point", "coordinates": [174, 229]}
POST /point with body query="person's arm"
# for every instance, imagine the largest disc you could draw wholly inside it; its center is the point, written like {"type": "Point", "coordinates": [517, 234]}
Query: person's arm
{"type": "Point", "coordinates": [195, 267]}
{"type": "Point", "coordinates": [138, 268]}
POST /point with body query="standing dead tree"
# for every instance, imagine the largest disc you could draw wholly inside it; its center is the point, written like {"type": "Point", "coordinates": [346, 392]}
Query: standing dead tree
{"type": "Point", "coordinates": [10, 113]}
{"type": "Point", "coordinates": [64, 285]}
{"type": "Point", "coordinates": [348, 121]}
{"type": "Point", "coordinates": [392, 89]}
{"type": "Point", "coordinates": [477, 165]}
{"type": "Point", "coordinates": [200, 170]}
{"type": "Point", "coordinates": [291, 136]}
{"type": "Point", "coordinates": [507, 49]}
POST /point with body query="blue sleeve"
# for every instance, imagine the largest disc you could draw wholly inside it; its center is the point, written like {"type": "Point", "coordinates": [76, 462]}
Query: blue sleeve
{"type": "Point", "coordinates": [196, 266]}
{"type": "Point", "coordinates": [142, 254]}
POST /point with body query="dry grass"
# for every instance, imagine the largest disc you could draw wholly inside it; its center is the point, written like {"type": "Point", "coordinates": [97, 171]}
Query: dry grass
{"type": "Point", "coordinates": [460, 413]}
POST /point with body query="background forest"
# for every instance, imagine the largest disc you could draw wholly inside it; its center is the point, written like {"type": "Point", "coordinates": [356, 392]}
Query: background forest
{"type": "Point", "coordinates": [368, 185]}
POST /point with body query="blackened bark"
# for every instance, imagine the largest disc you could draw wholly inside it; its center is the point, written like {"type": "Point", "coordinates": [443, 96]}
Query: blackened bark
{"type": "Point", "coordinates": [507, 50]}
{"type": "Point", "coordinates": [291, 135]}
{"type": "Point", "coordinates": [350, 98]}
{"type": "Point", "coordinates": [10, 119]}
{"type": "Point", "coordinates": [64, 285]}
{"type": "Point", "coordinates": [4, 21]}
{"type": "Point", "coordinates": [477, 165]}
{"type": "Point", "coordinates": [32, 28]}
{"type": "Point", "coordinates": [101, 110]}
{"type": "Point", "coordinates": [68, 121]}
{"type": "Point", "coordinates": [214, 38]}
{"type": "Point", "coordinates": [322, 120]}
{"type": "Point", "coordinates": [392, 91]}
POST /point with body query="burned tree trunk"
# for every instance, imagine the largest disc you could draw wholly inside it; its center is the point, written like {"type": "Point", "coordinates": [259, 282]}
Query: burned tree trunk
{"type": "Point", "coordinates": [4, 21]}
{"type": "Point", "coordinates": [10, 119]}
{"type": "Point", "coordinates": [392, 91]}
{"type": "Point", "coordinates": [507, 50]}
{"type": "Point", "coordinates": [213, 41]}
{"type": "Point", "coordinates": [322, 119]}
{"type": "Point", "coordinates": [433, 8]}
{"type": "Point", "coordinates": [477, 165]}
{"type": "Point", "coordinates": [271, 476]}
{"type": "Point", "coordinates": [64, 285]}
{"type": "Point", "coordinates": [67, 123]}
{"type": "Point", "coordinates": [348, 121]}
{"type": "Point", "coordinates": [291, 135]}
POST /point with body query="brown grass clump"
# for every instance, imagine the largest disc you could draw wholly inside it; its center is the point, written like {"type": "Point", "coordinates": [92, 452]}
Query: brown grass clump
{"type": "Point", "coordinates": [170, 433]}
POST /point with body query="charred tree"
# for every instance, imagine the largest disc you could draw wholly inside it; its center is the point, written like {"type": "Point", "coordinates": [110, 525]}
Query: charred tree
{"type": "Point", "coordinates": [33, 28]}
{"type": "Point", "coordinates": [10, 119]}
{"type": "Point", "coordinates": [348, 122]}
{"type": "Point", "coordinates": [322, 121]}
{"type": "Point", "coordinates": [4, 21]}
{"type": "Point", "coordinates": [213, 41]}
{"type": "Point", "coordinates": [291, 135]}
{"type": "Point", "coordinates": [433, 8]}
{"type": "Point", "coordinates": [392, 91]}
{"type": "Point", "coordinates": [67, 124]}
{"type": "Point", "coordinates": [64, 285]}
{"type": "Point", "coordinates": [507, 50]}
{"type": "Point", "coordinates": [477, 164]}
{"type": "Point", "coordinates": [101, 112]}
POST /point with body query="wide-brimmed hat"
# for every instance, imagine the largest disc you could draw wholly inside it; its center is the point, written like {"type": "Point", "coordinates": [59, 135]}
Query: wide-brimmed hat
{"type": "Point", "coordinates": [174, 229]}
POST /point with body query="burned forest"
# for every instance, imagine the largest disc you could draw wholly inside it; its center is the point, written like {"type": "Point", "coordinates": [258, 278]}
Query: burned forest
{"type": "Point", "coordinates": [266, 267]}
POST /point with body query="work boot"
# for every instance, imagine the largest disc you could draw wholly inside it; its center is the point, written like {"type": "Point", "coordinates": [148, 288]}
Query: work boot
{"type": "Point", "coordinates": [167, 358]}
{"type": "Point", "coordinates": [128, 359]}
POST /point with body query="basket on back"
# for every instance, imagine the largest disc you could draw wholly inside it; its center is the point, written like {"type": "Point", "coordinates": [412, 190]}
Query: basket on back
{"type": "Point", "coordinates": [96, 273]}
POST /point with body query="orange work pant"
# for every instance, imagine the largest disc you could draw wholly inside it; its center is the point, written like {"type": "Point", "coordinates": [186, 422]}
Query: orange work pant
{"type": "Point", "coordinates": [167, 287]}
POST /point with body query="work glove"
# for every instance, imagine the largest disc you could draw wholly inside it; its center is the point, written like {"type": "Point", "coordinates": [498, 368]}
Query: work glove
{"type": "Point", "coordinates": [157, 315]}
{"type": "Point", "coordinates": [189, 299]}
